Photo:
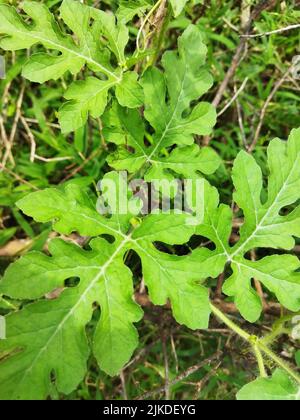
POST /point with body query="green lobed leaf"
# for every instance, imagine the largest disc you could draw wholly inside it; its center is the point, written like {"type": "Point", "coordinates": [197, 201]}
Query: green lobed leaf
{"type": "Point", "coordinates": [129, 92]}
{"type": "Point", "coordinates": [264, 227]}
{"type": "Point", "coordinates": [95, 35]}
{"type": "Point", "coordinates": [174, 120]}
{"type": "Point", "coordinates": [84, 97]}
{"type": "Point", "coordinates": [27, 373]}
{"type": "Point", "coordinates": [104, 279]}
{"type": "Point", "coordinates": [277, 388]}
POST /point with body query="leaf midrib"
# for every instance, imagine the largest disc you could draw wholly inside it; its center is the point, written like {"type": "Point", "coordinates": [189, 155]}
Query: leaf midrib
{"type": "Point", "coordinates": [63, 48]}
{"type": "Point", "coordinates": [270, 276]}
{"type": "Point", "coordinates": [172, 116]}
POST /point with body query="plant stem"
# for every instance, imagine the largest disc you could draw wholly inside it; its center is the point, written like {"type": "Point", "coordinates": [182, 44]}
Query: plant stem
{"type": "Point", "coordinates": [260, 361]}
{"type": "Point", "coordinates": [281, 363]}
{"type": "Point", "coordinates": [257, 345]}
{"type": "Point", "coordinates": [234, 327]}
{"type": "Point", "coordinates": [157, 4]}
{"type": "Point", "coordinates": [279, 329]}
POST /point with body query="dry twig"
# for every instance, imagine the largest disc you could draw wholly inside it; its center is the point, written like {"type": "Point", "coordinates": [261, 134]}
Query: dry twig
{"type": "Point", "coordinates": [265, 107]}
{"type": "Point", "coordinates": [204, 381]}
{"type": "Point", "coordinates": [33, 154]}
{"type": "Point", "coordinates": [277, 31]}
{"type": "Point", "coordinates": [238, 56]}
{"type": "Point", "coordinates": [5, 141]}
{"type": "Point", "coordinates": [182, 376]}
{"type": "Point", "coordinates": [11, 139]}
{"type": "Point", "coordinates": [166, 364]}
{"type": "Point", "coordinates": [235, 96]}
{"type": "Point", "coordinates": [240, 120]}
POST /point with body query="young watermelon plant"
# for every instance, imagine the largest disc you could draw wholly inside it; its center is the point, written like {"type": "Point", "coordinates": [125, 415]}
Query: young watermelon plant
{"type": "Point", "coordinates": [152, 118]}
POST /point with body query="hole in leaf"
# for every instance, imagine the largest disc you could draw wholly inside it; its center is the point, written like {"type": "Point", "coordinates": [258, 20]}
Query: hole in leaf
{"type": "Point", "coordinates": [195, 242]}
{"type": "Point", "coordinates": [109, 238]}
{"type": "Point", "coordinates": [72, 282]}
{"type": "Point", "coordinates": [165, 248]}
{"type": "Point", "coordinates": [285, 211]}
{"type": "Point", "coordinates": [147, 142]}
{"type": "Point", "coordinates": [53, 376]}
{"type": "Point", "coordinates": [92, 21]}
{"type": "Point", "coordinates": [133, 262]}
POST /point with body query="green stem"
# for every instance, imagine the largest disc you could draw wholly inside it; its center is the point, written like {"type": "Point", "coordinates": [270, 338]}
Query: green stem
{"type": "Point", "coordinates": [258, 345]}
{"type": "Point", "coordinates": [234, 327]}
{"type": "Point", "coordinates": [281, 363]}
{"type": "Point", "coordinates": [260, 361]}
{"type": "Point", "coordinates": [156, 6]}
{"type": "Point", "coordinates": [278, 329]}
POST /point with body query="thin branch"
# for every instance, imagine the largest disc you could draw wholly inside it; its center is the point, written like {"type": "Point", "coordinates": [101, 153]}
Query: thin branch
{"type": "Point", "coordinates": [123, 383]}
{"type": "Point", "coordinates": [5, 141]}
{"type": "Point", "coordinates": [14, 127]}
{"type": "Point", "coordinates": [240, 120]}
{"type": "Point", "coordinates": [200, 385]}
{"type": "Point", "coordinates": [236, 95]}
{"type": "Point", "coordinates": [230, 73]}
{"type": "Point", "coordinates": [173, 346]}
{"type": "Point", "coordinates": [190, 371]}
{"type": "Point", "coordinates": [79, 168]}
{"type": "Point", "coordinates": [166, 364]}
{"type": "Point", "coordinates": [141, 353]}
{"type": "Point", "coordinates": [265, 107]}
{"type": "Point", "coordinates": [277, 31]}
{"type": "Point", "coordinates": [239, 54]}
{"type": "Point", "coordinates": [263, 5]}
{"type": "Point", "coordinates": [57, 159]}
{"type": "Point", "coordinates": [35, 121]}
{"type": "Point", "coordinates": [31, 138]}
{"type": "Point", "coordinates": [228, 23]}
{"type": "Point", "coordinates": [33, 154]}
